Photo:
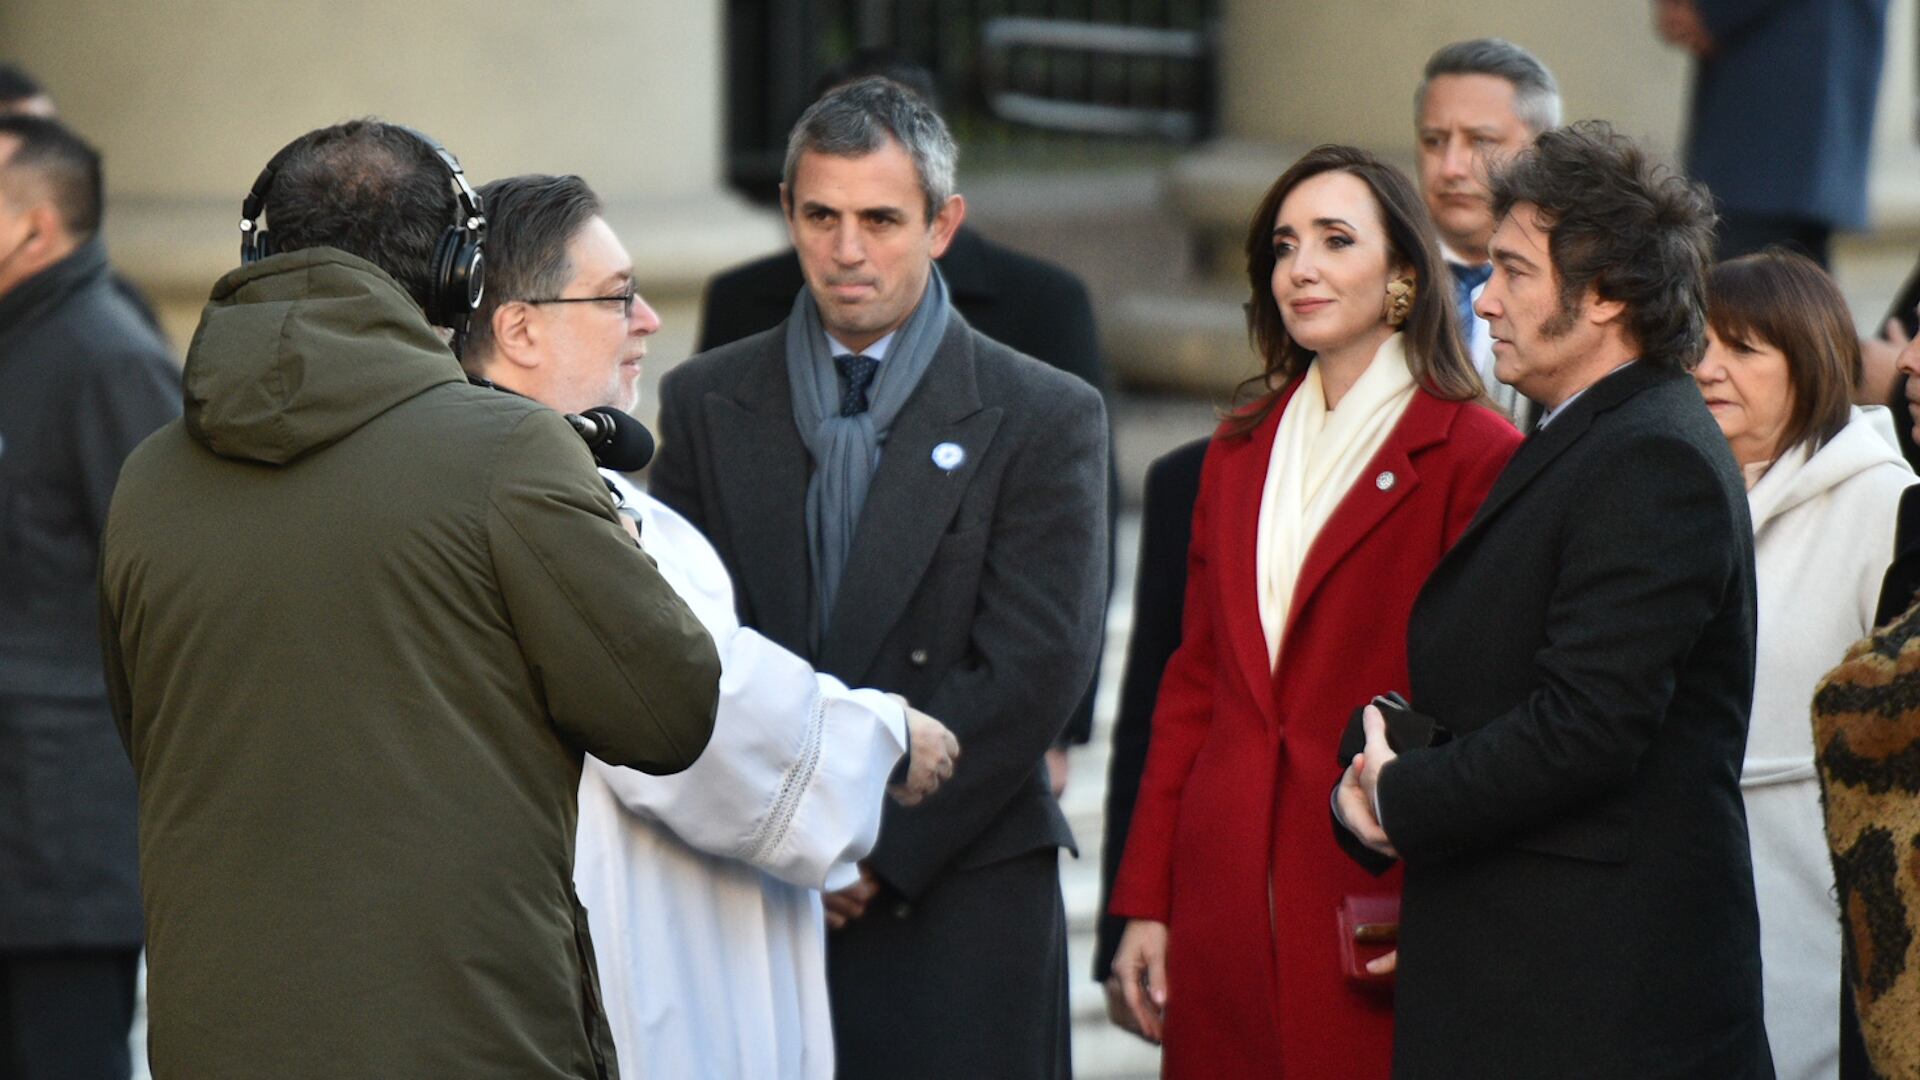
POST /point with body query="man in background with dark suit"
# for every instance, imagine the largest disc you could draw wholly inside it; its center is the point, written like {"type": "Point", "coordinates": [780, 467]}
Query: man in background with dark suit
{"type": "Point", "coordinates": [1479, 102]}
{"type": "Point", "coordinates": [1027, 304]}
{"type": "Point", "coordinates": [915, 507]}
{"type": "Point", "coordinates": [1782, 116]}
{"type": "Point", "coordinates": [1579, 894]}
{"type": "Point", "coordinates": [83, 379]}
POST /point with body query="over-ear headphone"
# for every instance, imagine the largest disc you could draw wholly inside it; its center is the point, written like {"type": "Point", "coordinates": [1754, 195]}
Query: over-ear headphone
{"type": "Point", "coordinates": [458, 274]}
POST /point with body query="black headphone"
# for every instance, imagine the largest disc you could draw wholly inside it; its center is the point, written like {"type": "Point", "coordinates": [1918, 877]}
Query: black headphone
{"type": "Point", "coordinates": [458, 275]}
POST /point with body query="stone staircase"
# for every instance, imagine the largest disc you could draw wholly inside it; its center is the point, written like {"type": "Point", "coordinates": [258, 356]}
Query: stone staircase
{"type": "Point", "coordinates": [1100, 1050]}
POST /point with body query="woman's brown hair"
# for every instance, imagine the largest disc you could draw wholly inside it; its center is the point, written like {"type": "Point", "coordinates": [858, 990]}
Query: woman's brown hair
{"type": "Point", "coordinates": [1434, 351]}
{"type": "Point", "coordinates": [1785, 300]}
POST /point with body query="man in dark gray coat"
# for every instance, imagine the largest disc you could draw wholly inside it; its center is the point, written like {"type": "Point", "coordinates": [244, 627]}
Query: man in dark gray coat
{"type": "Point", "coordinates": [915, 507]}
{"type": "Point", "coordinates": [83, 378]}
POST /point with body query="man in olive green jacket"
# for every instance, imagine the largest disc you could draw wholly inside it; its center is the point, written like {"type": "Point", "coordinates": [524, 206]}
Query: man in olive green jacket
{"type": "Point", "coordinates": [361, 620]}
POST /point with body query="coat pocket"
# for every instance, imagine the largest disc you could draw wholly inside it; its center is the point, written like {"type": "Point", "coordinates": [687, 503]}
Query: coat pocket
{"type": "Point", "coordinates": [593, 1010]}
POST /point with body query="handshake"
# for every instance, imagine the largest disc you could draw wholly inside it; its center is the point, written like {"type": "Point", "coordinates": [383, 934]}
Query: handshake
{"type": "Point", "coordinates": [931, 751]}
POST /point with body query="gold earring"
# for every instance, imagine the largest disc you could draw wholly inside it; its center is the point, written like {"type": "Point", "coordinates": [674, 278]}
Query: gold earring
{"type": "Point", "coordinates": [1399, 300]}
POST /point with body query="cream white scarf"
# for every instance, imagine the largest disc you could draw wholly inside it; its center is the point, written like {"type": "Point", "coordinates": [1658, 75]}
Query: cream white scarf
{"type": "Point", "coordinates": [1318, 454]}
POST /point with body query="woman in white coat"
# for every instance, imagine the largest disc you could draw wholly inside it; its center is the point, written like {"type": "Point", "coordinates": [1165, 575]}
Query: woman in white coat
{"type": "Point", "coordinates": [1824, 480]}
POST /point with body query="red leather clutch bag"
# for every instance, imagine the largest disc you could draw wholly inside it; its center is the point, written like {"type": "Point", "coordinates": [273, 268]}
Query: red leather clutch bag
{"type": "Point", "coordinates": [1369, 928]}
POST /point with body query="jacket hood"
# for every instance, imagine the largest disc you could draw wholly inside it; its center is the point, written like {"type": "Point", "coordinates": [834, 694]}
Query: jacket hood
{"type": "Point", "coordinates": [297, 351]}
{"type": "Point", "coordinates": [1866, 442]}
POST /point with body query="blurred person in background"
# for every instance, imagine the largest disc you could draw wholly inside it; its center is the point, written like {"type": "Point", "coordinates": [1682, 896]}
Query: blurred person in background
{"type": "Point", "coordinates": [362, 618]}
{"type": "Point", "coordinates": [1159, 597]}
{"type": "Point", "coordinates": [1782, 116]}
{"type": "Point", "coordinates": [21, 93]}
{"type": "Point", "coordinates": [703, 888]}
{"type": "Point", "coordinates": [1479, 102]}
{"type": "Point", "coordinates": [83, 379]}
{"type": "Point", "coordinates": [1824, 482]}
{"type": "Point", "coordinates": [1865, 729]}
{"type": "Point", "coordinates": [1323, 504]}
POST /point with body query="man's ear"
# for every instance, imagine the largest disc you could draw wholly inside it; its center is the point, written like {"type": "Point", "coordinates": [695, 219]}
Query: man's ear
{"type": "Point", "coordinates": [46, 241]}
{"type": "Point", "coordinates": [1605, 312]}
{"type": "Point", "coordinates": [947, 222]}
{"type": "Point", "coordinates": [516, 335]}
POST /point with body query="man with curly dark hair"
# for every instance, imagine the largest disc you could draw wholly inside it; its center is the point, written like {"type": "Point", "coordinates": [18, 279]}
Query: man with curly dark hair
{"type": "Point", "coordinates": [1579, 891]}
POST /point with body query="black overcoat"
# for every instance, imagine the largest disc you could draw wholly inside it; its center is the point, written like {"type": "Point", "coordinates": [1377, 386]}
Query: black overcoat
{"type": "Point", "coordinates": [83, 378]}
{"type": "Point", "coordinates": [1579, 893]}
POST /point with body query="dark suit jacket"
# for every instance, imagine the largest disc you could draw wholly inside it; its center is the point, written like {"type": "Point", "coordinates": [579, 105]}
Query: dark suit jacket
{"type": "Point", "coordinates": [1024, 303]}
{"type": "Point", "coordinates": [1159, 596]}
{"type": "Point", "coordinates": [975, 593]}
{"type": "Point", "coordinates": [1782, 114]}
{"type": "Point", "coordinates": [1579, 893]}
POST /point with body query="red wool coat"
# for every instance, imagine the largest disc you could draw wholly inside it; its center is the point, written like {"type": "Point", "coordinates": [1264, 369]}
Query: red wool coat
{"type": "Point", "coordinates": [1231, 844]}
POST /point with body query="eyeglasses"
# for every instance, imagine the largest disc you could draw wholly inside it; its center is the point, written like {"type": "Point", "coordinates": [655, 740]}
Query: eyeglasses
{"type": "Point", "coordinates": [626, 300]}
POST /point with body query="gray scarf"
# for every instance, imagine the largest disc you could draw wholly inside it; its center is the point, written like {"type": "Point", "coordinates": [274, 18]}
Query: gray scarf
{"type": "Point", "coordinates": [846, 449]}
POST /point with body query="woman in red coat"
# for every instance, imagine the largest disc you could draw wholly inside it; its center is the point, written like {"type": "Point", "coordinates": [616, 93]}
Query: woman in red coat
{"type": "Point", "coordinates": [1323, 505]}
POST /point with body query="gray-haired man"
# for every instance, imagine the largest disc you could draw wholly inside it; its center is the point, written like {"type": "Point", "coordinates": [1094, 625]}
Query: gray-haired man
{"type": "Point", "coordinates": [1479, 103]}
{"type": "Point", "coordinates": [912, 506]}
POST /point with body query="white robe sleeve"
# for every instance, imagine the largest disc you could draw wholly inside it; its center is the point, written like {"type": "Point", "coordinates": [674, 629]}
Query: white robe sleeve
{"type": "Point", "coordinates": [794, 778]}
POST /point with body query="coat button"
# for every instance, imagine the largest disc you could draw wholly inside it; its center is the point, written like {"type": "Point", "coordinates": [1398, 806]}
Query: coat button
{"type": "Point", "coordinates": [902, 909]}
{"type": "Point", "coordinates": [1384, 481]}
{"type": "Point", "coordinates": [918, 658]}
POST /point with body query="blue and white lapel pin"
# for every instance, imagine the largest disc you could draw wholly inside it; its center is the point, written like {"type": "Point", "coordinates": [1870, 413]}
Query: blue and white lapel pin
{"type": "Point", "coordinates": [949, 456]}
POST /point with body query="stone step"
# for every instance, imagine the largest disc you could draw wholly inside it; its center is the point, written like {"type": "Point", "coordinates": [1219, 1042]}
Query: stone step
{"type": "Point", "coordinates": [1192, 342]}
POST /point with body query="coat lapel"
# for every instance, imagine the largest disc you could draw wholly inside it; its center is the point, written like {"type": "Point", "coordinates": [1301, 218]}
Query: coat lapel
{"type": "Point", "coordinates": [910, 504]}
{"type": "Point", "coordinates": [1243, 479]}
{"type": "Point", "coordinates": [758, 449]}
{"type": "Point", "coordinates": [1388, 479]}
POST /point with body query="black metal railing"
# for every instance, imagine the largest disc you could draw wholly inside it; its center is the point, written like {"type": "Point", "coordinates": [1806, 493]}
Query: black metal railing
{"type": "Point", "coordinates": [1032, 80]}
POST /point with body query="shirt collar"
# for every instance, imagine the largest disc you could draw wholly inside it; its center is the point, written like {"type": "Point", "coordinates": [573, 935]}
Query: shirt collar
{"type": "Point", "coordinates": [875, 352]}
{"type": "Point", "coordinates": [1547, 416]}
{"type": "Point", "coordinates": [1456, 258]}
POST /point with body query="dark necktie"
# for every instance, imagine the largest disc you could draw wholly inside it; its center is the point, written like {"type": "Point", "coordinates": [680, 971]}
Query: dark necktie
{"type": "Point", "coordinates": [1465, 280]}
{"type": "Point", "coordinates": [856, 374]}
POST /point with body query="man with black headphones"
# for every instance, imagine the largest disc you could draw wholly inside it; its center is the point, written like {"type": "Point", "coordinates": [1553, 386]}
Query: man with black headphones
{"type": "Point", "coordinates": [362, 617]}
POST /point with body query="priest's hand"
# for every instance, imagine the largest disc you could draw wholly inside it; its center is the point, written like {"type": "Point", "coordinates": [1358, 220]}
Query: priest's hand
{"type": "Point", "coordinates": [930, 757]}
{"type": "Point", "coordinates": [851, 902]}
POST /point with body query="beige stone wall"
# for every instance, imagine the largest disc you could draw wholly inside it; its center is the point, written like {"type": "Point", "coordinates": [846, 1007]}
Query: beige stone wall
{"type": "Point", "coordinates": [1304, 73]}
{"type": "Point", "coordinates": [188, 99]}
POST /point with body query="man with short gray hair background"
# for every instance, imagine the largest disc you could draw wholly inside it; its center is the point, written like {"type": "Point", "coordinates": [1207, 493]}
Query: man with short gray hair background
{"type": "Point", "coordinates": [913, 506]}
{"type": "Point", "coordinates": [1479, 102]}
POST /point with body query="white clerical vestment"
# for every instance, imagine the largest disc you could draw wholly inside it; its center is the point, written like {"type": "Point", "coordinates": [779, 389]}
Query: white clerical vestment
{"type": "Point", "coordinates": [702, 888]}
